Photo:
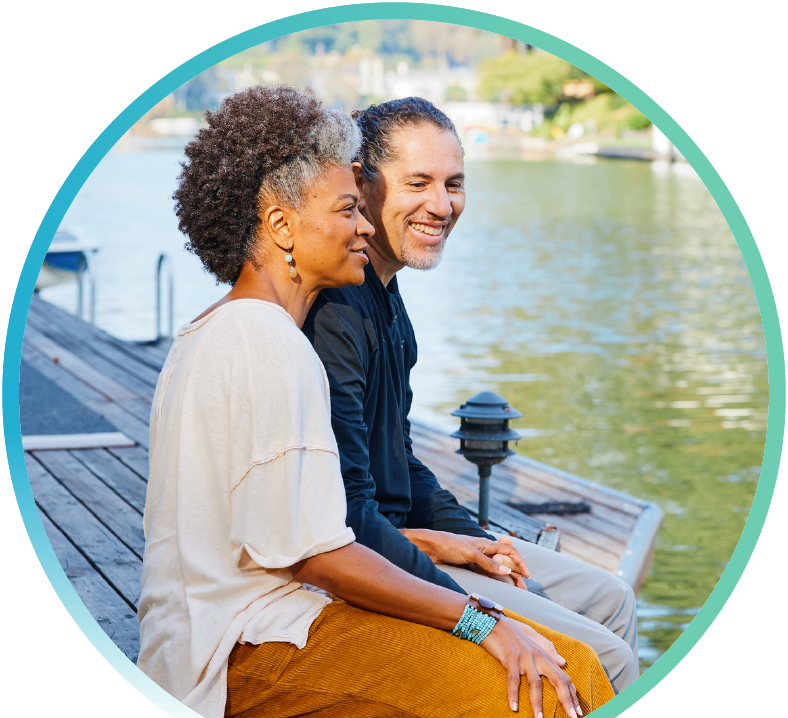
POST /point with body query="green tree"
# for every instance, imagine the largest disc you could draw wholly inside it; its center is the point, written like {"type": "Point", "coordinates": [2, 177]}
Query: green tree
{"type": "Point", "coordinates": [455, 93]}
{"type": "Point", "coordinates": [525, 79]}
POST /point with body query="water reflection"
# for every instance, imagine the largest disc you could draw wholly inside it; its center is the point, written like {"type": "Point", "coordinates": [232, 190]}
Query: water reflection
{"type": "Point", "coordinates": [610, 304]}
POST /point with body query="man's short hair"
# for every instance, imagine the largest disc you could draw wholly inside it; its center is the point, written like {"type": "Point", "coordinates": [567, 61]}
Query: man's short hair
{"type": "Point", "coordinates": [379, 122]}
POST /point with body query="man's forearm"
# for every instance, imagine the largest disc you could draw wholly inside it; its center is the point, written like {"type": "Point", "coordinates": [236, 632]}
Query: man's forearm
{"type": "Point", "coordinates": [419, 538]}
{"type": "Point", "coordinates": [365, 579]}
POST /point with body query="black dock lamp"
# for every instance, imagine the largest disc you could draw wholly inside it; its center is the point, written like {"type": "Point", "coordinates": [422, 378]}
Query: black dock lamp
{"type": "Point", "coordinates": [484, 436]}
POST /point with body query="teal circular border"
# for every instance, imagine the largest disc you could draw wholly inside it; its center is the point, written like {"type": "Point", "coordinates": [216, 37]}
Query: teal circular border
{"type": "Point", "coordinates": [403, 11]}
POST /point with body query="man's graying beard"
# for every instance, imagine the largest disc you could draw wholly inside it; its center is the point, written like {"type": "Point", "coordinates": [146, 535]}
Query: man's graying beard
{"type": "Point", "coordinates": [426, 258]}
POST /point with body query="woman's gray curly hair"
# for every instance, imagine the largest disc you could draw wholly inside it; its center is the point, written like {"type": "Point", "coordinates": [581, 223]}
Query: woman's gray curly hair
{"type": "Point", "coordinates": [264, 145]}
{"type": "Point", "coordinates": [334, 140]}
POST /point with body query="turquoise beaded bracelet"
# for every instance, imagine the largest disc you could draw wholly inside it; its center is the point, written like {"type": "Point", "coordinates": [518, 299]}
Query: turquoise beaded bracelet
{"type": "Point", "coordinates": [474, 625]}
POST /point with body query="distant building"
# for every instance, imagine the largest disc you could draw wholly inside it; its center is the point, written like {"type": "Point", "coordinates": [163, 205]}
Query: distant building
{"type": "Point", "coordinates": [491, 116]}
{"type": "Point", "coordinates": [431, 84]}
{"type": "Point", "coordinates": [175, 126]}
{"type": "Point", "coordinates": [371, 77]}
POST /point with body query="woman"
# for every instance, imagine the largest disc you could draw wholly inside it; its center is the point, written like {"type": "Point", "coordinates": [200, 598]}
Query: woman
{"type": "Point", "coordinates": [245, 510]}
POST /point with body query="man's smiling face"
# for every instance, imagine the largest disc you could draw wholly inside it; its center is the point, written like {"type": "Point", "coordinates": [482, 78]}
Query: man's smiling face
{"type": "Point", "coordinates": [416, 199]}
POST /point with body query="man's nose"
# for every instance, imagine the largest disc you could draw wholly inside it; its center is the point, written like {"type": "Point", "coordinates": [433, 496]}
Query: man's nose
{"type": "Point", "coordinates": [439, 202]}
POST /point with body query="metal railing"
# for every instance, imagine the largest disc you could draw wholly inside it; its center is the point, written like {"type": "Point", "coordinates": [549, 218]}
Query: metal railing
{"type": "Point", "coordinates": [85, 277]}
{"type": "Point", "coordinates": [164, 263]}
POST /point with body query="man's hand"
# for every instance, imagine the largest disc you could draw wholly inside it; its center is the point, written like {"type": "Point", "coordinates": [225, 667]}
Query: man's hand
{"type": "Point", "coordinates": [496, 559]}
{"type": "Point", "coordinates": [505, 554]}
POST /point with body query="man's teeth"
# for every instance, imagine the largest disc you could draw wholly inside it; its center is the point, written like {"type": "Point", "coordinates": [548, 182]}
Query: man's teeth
{"type": "Point", "coordinates": [433, 231]}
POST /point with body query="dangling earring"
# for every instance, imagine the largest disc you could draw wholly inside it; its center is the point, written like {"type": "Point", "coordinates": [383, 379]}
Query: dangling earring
{"type": "Point", "coordinates": [291, 270]}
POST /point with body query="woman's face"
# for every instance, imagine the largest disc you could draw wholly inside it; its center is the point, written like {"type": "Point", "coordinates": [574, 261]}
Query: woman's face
{"type": "Point", "coordinates": [330, 233]}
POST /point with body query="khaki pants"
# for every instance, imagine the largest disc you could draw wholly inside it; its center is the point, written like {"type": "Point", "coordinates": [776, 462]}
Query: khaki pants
{"type": "Point", "coordinates": [358, 664]}
{"type": "Point", "coordinates": [573, 598]}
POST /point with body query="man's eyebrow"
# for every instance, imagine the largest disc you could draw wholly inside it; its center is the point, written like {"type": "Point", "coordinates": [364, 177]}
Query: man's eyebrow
{"type": "Point", "coordinates": [428, 176]}
{"type": "Point", "coordinates": [347, 196]}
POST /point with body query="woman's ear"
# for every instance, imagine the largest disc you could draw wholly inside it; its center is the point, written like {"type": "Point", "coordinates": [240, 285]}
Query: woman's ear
{"type": "Point", "coordinates": [277, 221]}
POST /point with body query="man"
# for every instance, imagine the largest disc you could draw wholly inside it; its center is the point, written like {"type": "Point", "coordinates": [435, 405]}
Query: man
{"type": "Point", "coordinates": [410, 174]}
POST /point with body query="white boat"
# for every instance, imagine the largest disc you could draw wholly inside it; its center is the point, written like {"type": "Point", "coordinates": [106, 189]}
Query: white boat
{"type": "Point", "coordinates": [67, 256]}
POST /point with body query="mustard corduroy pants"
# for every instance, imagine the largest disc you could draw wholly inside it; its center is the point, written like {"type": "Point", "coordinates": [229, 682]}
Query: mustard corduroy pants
{"type": "Point", "coordinates": [358, 664]}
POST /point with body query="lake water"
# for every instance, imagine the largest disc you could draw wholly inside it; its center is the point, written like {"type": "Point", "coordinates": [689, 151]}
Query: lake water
{"type": "Point", "coordinates": [607, 301]}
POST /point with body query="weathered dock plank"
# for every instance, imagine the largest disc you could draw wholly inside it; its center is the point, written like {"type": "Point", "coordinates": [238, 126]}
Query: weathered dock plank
{"type": "Point", "coordinates": [608, 536]}
{"type": "Point", "coordinates": [640, 548]}
{"type": "Point", "coordinates": [109, 610]}
{"type": "Point", "coordinates": [590, 527]}
{"type": "Point", "coordinates": [553, 476]}
{"type": "Point", "coordinates": [136, 458]}
{"type": "Point", "coordinates": [94, 354]}
{"type": "Point", "coordinates": [113, 412]}
{"type": "Point", "coordinates": [117, 414]}
{"type": "Point", "coordinates": [524, 527]}
{"type": "Point", "coordinates": [72, 333]}
{"type": "Point", "coordinates": [117, 515]}
{"type": "Point", "coordinates": [500, 516]}
{"type": "Point", "coordinates": [458, 472]}
{"type": "Point", "coordinates": [75, 366]}
{"type": "Point", "coordinates": [115, 474]}
{"type": "Point", "coordinates": [606, 517]}
{"type": "Point", "coordinates": [50, 442]}
{"type": "Point", "coordinates": [552, 480]}
{"type": "Point", "coordinates": [576, 539]}
{"type": "Point", "coordinates": [138, 408]}
{"type": "Point", "coordinates": [118, 564]}
{"type": "Point", "coordinates": [150, 355]}
{"type": "Point", "coordinates": [157, 351]}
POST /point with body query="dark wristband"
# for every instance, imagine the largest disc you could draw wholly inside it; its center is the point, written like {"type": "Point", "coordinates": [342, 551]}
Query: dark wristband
{"type": "Point", "coordinates": [485, 605]}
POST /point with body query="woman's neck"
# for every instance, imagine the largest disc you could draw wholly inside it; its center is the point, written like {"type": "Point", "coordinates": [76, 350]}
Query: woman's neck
{"type": "Point", "coordinates": [269, 285]}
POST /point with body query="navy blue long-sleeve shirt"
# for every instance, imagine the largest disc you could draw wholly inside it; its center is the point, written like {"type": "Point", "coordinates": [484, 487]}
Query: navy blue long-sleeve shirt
{"type": "Point", "coordinates": [366, 342]}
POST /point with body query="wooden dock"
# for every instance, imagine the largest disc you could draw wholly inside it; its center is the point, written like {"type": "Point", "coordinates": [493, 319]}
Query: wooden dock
{"type": "Point", "coordinates": [91, 500]}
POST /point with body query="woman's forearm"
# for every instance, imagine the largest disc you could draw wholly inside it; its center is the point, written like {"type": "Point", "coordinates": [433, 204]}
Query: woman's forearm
{"type": "Point", "coordinates": [365, 579]}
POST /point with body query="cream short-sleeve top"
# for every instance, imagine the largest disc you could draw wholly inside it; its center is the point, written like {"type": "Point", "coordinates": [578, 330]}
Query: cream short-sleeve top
{"type": "Point", "coordinates": [244, 482]}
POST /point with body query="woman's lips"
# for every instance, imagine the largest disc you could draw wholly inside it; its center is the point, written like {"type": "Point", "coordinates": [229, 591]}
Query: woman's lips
{"type": "Point", "coordinates": [362, 253]}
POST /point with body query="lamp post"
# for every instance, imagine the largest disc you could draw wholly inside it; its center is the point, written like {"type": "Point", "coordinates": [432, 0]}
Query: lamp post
{"type": "Point", "coordinates": [484, 436]}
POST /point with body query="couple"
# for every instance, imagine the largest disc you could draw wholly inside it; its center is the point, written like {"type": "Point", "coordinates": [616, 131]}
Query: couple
{"type": "Point", "coordinates": [299, 559]}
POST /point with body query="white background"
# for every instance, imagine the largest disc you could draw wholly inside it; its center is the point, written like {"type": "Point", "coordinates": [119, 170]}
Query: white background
{"type": "Point", "coordinates": [70, 68]}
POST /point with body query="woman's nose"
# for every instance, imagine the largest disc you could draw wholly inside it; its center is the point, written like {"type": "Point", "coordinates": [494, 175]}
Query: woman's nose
{"type": "Point", "coordinates": [364, 228]}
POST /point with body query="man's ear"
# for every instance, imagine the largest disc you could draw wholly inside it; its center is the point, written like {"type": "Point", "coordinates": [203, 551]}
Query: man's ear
{"type": "Point", "coordinates": [358, 174]}
{"type": "Point", "coordinates": [277, 221]}
{"type": "Point", "coordinates": [362, 184]}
